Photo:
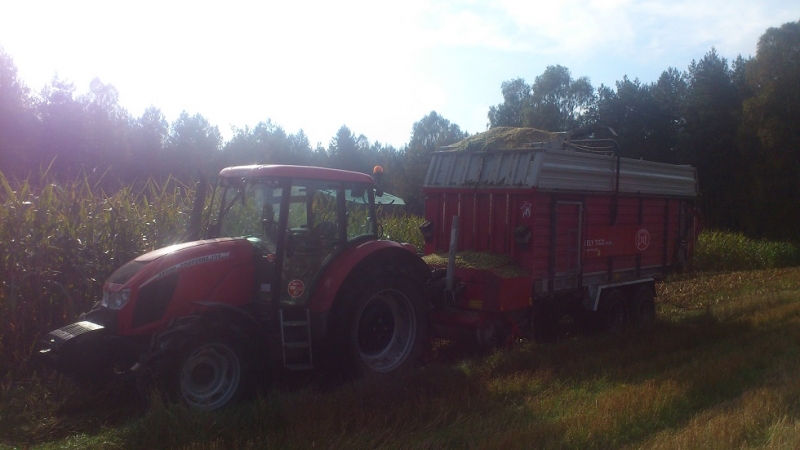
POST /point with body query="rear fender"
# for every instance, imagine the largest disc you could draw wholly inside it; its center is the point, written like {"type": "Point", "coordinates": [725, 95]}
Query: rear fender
{"type": "Point", "coordinates": [343, 269]}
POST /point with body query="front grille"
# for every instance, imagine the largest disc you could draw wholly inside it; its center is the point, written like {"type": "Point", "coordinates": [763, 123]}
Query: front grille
{"type": "Point", "coordinates": [57, 337]}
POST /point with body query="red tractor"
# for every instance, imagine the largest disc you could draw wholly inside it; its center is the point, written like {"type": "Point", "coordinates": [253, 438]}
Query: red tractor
{"type": "Point", "coordinates": [292, 274]}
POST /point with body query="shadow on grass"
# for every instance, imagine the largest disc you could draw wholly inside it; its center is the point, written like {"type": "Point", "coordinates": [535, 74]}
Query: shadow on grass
{"type": "Point", "coordinates": [552, 394]}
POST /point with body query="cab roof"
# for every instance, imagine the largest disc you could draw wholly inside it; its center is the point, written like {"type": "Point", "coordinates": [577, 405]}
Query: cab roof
{"type": "Point", "coordinates": [288, 171]}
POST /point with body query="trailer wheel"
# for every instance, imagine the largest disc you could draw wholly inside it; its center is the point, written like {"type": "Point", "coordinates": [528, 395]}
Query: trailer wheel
{"type": "Point", "coordinates": [212, 374]}
{"type": "Point", "coordinates": [541, 323]}
{"type": "Point", "coordinates": [388, 327]}
{"type": "Point", "coordinates": [643, 308]}
{"type": "Point", "coordinates": [494, 333]}
{"type": "Point", "coordinates": [615, 311]}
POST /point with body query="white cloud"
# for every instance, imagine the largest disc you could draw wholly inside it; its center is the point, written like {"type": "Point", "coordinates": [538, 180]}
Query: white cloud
{"type": "Point", "coordinates": [318, 65]}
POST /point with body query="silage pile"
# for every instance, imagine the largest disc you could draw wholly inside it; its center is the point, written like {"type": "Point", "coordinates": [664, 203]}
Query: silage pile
{"type": "Point", "coordinates": [501, 265]}
{"type": "Point", "coordinates": [502, 138]}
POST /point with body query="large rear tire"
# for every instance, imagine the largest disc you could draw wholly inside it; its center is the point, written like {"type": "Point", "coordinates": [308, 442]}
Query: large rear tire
{"type": "Point", "coordinates": [388, 326]}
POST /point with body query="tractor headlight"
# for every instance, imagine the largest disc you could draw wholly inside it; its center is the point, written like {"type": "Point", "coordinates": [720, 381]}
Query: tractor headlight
{"type": "Point", "coordinates": [116, 300]}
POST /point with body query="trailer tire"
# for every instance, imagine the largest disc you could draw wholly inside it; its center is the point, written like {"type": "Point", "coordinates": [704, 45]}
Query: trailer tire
{"type": "Point", "coordinates": [493, 334]}
{"type": "Point", "coordinates": [615, 311]}
{"type": "Point", "coordinates": [541, 323]}
{"type": "Point", "coordinates": [643, 308]}
{"type": "Point", "coordinates": [387, 327]}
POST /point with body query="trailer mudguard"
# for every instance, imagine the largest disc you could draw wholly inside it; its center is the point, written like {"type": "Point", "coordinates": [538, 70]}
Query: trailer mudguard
{"type": "Point", "coordinates": [592, 301]}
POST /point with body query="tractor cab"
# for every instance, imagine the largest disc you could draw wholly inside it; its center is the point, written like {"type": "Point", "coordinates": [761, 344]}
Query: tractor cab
{"type": "Point", "coordinates": [299, 219]}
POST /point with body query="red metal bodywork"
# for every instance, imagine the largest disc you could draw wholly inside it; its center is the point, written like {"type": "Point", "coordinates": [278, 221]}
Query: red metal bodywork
{"type": "Point", "coordinates": [336, 273]}
{"type": "Point", "coordinates": [576, 239]}
{"type": "Point", "coordinates": [488, 291]}
{"type": "Point", "coordinates": [212, 270]}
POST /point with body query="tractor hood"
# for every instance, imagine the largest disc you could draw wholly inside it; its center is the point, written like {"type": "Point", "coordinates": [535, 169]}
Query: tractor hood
{"type": "Point", "coordinates": [158, 253]}
{"type": "Point", "coordinates": [174, 258]}
{"type": "Point", "coordinates": [169, 282]}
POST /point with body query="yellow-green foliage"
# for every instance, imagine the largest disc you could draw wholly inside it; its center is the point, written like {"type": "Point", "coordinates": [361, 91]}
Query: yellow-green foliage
{"type": "Point", "coordinates": [503, 138]}
{"type": "Point", "coordinates": [726, 251]}
{"type": "Point", "coordinates": [403, 228]}
{"type": "Point", "coordinates": [499, 264]}
{"type": "Point", "coordinates": [58, 244]}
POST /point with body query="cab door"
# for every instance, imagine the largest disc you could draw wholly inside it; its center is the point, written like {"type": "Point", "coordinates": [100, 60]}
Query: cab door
{"type": "Point", "coordinates": [313, 227]}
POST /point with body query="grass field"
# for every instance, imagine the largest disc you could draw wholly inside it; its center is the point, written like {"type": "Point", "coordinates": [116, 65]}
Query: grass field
{"type": "Point", "coordinates": [718, 371]}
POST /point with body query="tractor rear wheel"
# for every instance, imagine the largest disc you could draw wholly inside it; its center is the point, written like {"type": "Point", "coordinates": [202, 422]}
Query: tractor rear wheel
{"type": "Point", "coordinates": [388, 326]}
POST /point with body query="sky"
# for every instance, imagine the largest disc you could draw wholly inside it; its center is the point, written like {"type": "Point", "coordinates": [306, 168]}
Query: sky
{"type": "Point", "coordinates": [375, 66]}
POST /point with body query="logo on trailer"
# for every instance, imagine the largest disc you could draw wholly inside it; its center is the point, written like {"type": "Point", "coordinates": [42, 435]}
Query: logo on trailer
{"type": "Point", "coordinates": [526, 209]}
{"type": "Point", "coordinates": [642, 239]}
{"type": "Point", "coordinates": [296, 288]}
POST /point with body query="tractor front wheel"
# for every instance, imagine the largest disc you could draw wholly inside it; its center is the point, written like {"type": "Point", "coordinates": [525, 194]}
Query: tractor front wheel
{"type": "Point", "coordinates": [212, 374]}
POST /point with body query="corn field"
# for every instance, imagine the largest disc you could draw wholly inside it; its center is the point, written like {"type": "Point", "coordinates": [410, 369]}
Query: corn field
{"type": "Point", "coordinates": [59, 242]}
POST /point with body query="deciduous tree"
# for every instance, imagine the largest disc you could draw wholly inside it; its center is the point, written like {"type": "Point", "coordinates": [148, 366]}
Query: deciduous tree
{"type": "Point", "coordinates": [771, 121]}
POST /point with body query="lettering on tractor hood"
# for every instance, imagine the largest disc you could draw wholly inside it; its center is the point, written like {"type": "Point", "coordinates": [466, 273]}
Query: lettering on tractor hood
{"type": "Point", "coordinates": [155, 254]}
{"type": "Point", "coordinates": [192, 262]}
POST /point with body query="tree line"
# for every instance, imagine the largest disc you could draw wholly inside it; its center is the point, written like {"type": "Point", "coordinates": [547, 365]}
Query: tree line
{"type": "Point", "coordinates": [737, 122]}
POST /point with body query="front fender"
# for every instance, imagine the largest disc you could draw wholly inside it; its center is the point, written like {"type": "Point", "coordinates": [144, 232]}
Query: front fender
{"type": "Point", "coordinates": [217, 318]}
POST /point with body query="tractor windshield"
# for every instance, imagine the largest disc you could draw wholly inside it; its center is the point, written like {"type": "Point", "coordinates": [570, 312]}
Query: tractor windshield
{"type": "Point", "coordinates": [319, 215]}
{"type": "Point", "coordinates": [250, 209]}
